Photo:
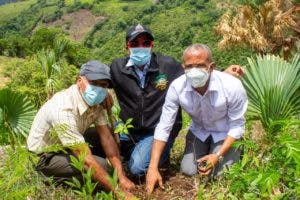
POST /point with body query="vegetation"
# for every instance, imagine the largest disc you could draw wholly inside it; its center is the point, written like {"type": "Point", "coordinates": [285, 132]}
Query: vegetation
{"type": "Point", "coordinates": [16, 115]}
{"type": "Point", "coordinates": [268, 28]}
{"type": "Point", "coordinates": [272, 86]}
{"type": "Point", "coordinates": [39, 60]}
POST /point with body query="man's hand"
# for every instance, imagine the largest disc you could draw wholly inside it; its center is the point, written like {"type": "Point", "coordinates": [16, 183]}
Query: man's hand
{"type": "Point", "coordinates": [153, 176]}
{"type": "Point", "coordinates": [126, 184]}
{"type": "Point", "coordinates": [235, 70]}
{"type": "Point", "coordinates": [211, 160]}
{"type": "Point", "coordinates": [124, 195]}
{"type": "Point", "coordinates": [108, 102]}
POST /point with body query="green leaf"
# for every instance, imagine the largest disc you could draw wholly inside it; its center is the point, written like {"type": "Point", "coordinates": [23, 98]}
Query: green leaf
{"type": "Point", "coordinates": [273, 89]}
{"type": "Point", "coordinates": [17, 112]}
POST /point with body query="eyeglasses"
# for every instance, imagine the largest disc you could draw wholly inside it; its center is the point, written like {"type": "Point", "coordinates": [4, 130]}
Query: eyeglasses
{"type": "Point", "coordinates": [135, 43]}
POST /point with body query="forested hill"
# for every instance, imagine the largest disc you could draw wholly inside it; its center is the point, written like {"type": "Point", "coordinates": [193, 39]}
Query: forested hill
{"type": "Point", "coordinates": [100, 25]}
{"type": "Point", "coordinates": [6, 1]}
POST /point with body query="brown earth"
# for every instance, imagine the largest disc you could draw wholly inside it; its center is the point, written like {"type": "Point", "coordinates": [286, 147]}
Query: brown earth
{"type": "Point", "coordinates": [77, 24]}
{"type": "Point", "coordinates": [177, 186]}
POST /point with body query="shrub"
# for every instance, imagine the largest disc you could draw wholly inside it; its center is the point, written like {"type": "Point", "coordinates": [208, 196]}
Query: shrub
{"type": "Point", "coordinates": [16, 115]}
{"type": "Point", "coordinates": [272, 86]}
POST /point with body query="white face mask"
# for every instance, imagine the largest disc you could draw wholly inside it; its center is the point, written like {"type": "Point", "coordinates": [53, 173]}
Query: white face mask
{"type": "Point", "coordinates": [197, 77]}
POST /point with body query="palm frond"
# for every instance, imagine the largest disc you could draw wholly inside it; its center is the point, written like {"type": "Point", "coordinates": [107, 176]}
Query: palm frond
{"type": "Point", "coordinates": [272, 84]}
{"type": "Point", "coordinates": [17, 112]}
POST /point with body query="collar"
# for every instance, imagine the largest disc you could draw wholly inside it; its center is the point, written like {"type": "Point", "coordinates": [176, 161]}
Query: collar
{"type": "Point", "coordinates": [152, 66]}
{"type": "Point", "coordinates": [130, 63]}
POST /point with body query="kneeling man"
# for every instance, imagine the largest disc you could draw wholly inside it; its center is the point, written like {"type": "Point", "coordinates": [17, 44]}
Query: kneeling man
{"type": "Point", "coordinates": [61, 123]}
{"type": "Point", "coordinates": [216, 102]}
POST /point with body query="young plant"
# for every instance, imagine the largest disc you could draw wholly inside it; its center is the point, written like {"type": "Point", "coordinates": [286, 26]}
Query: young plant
{"type": "Point", "coordinates": [121, 128]}
{"type": "Point", "coordinates": [87, 187]}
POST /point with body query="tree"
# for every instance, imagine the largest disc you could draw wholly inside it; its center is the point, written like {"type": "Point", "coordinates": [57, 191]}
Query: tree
{"type": "Point", "coordinates": [49, 65]}
{"type": "Point", "coordinates": [267, 28]}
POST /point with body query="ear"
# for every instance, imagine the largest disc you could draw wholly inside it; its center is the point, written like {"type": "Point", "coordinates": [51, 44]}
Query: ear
{"type": "Point", "coordinates": [212, 66]}
{"type": "Point", "coordinates": [182, 65]}
{"type": "Point", "coordinates": [81, 83]}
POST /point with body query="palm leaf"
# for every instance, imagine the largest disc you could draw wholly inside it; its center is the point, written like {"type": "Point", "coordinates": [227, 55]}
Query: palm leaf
{"type": "Point", "coordinates": [17, 112]}
{"type": "Point", "coordinates": [272, 85]}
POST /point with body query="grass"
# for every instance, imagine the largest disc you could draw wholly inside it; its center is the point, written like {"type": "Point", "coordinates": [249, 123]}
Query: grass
{"type": "Point", "coordinates": [11, 10]}
{"type": "Point", "coordinates": [5, 62]}
{"type": "Point", "coordinates": [71, 2]}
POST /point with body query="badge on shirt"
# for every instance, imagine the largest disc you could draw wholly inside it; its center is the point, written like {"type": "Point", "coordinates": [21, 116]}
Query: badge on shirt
{"type": "Point", "coordinates": [161, 82]}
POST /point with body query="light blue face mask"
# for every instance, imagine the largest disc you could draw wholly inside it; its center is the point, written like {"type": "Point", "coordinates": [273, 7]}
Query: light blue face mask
{"type": "Point", "coordinates": [140, 55]}
{"type": "Point", "coordinates": [94, 95]}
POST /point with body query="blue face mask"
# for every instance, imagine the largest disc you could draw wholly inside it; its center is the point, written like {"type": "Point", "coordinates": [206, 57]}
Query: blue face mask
{"type": "Point", "coordinates": [140, 56]}
{"type": "Point", "coordinates": [94, 95]}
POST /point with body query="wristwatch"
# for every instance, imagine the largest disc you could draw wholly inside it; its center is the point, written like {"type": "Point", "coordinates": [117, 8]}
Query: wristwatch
{"type": "Point", "coordinates": [220, 157]}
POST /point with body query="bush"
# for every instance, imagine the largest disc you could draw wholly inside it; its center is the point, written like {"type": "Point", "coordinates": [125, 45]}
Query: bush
{"type": "Point", "coordinates": [27, 78]}
{"type": "Point", "coordinates": [15, 45]}
{"type": "Point", "coordinates": [43, 38]}
{"type": "Point", "coordinates": [272, 86]}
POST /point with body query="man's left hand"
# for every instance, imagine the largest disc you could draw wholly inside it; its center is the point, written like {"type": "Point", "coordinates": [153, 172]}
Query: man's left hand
{"type": "Point", "coordinates": [211, 161]}
{"type": "Point", "coordinates": [126, 184]}
{"type": "Point", "coordinates": [235, 70]}
{"type": "Point", "coordinates": [108, 101]}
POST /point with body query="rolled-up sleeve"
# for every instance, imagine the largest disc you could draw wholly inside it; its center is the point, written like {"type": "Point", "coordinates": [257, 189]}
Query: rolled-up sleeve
{"type": "Point", "coordinates": [237, 106]}
{"type": "Point", "coordinates": [168, 116]}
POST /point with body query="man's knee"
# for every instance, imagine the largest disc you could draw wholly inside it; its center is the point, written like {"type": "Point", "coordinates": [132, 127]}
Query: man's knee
{"type": "Point", "coordinates": [188, 169]}
{"type": "Point", "coordinates": [137, 167]}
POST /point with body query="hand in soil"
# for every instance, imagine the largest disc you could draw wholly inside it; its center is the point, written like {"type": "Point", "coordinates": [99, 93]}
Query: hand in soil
{"type": "Point", "coordinates": [153, 177]}
{"type": "Point", "coordinates": [126, 184]}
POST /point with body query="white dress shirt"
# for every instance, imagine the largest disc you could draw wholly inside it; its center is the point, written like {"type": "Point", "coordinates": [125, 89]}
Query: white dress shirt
{"type": "Point", "coordinates": [219, 112]}
{"type": "Point", "coordinates": [62, 120]}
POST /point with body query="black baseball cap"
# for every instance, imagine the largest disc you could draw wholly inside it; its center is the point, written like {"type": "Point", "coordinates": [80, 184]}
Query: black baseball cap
{"type": "Point", "coordinates": [95, 70]}
{"type": "Point", "coordinates": [136, 30]}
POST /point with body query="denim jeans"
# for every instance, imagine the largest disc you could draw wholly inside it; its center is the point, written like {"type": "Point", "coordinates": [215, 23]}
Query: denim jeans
{"type": "Point", "coordinates": [134, 149]}
{"type": "Point", "coordinates": [137, 151]}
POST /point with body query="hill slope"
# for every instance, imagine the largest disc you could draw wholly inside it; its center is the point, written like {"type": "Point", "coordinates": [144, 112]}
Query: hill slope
{"type": "Point", "coordinates": [175, 24]}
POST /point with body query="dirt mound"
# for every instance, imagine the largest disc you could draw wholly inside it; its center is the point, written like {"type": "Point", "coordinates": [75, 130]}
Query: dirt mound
{"type": "Point", "coordinates": [77, 24]}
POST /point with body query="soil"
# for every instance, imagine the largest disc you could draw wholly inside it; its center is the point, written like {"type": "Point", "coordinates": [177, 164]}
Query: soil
{"type": "Point", "coordinates": [77, 24]}
{"type": "Point", "coordinates": [177, 186]}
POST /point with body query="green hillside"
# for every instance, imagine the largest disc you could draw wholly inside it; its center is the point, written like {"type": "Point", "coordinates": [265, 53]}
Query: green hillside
{"type": "Point", "coordinates": [9, 11]}
{"type": "Point", "coordinates": [43, 43]}
{"type": "Point", "coordinates": [175, 24]}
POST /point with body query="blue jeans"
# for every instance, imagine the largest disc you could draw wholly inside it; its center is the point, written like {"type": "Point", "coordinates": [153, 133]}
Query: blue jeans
{"type": "Point", "coordinates": [138, 152]}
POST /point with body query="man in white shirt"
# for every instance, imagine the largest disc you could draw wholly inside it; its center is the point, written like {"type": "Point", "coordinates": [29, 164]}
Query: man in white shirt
{"type": "Point", "coordinates": [216, 103]}
{"type": "Point", "coordinates": [58, 130]}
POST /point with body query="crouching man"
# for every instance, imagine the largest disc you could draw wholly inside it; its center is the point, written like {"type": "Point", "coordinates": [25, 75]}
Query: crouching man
{"type": "Point", "coordinates": [216, 102]}
{"type": "Point", "coordinates": [63, 120]}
